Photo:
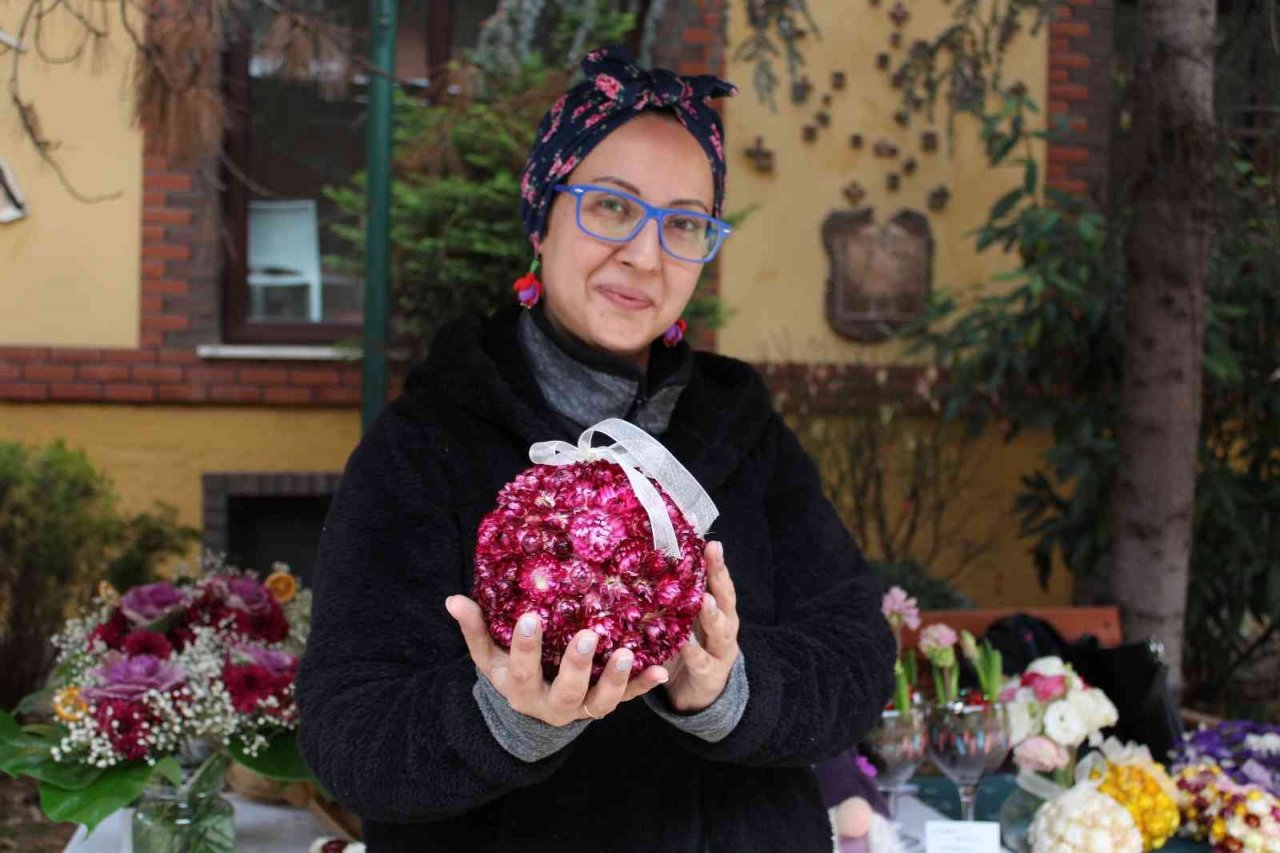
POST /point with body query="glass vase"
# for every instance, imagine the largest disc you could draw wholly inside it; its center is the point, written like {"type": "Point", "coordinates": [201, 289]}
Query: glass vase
{"type": "Point", "coordinates": [190, 817]}
{"type": "Point", "coordinates": [1019, 808]}
{"type": "Point", "coordinates": [967, 742]}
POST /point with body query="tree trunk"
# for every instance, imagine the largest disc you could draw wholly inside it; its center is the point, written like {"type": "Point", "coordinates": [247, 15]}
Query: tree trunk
{"type": "Point", "coordinates": [1167, 259]}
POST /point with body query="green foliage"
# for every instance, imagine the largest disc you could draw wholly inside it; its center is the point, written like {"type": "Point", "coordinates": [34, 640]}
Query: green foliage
{"type": "Point", "coordinates": [147, 539]}
{"type": "Point", "coordinates": [61, 529]}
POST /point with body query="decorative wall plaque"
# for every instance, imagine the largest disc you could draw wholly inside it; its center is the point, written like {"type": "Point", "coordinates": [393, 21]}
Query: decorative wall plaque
{"type": "Point", "coordinates": [879, 276]}
{"type": "Point", "coordinates": [761, 157]}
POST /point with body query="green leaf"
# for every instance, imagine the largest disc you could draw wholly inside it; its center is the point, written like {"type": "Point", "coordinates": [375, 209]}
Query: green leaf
{"type": "Point", "coordinates": [170, 770]}
{"type": "Point", "coordinates": [281, 760]}
{"type": "Point", "coordinates": [35, 701]}
{"type": "Point", "coordinates": [1006, 203]}
{"type": "Point", "coordinates": [116, 788]}
{"type": "Point", "coordinates": [1031, 177]}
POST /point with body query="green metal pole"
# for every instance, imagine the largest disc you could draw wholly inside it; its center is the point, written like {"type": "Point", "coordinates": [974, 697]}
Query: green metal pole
{"type": "Point", "coordinates": [377, 255]}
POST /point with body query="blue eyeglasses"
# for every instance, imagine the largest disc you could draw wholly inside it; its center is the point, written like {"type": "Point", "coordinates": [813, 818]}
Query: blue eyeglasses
{"type": "Point", "coordinates": [617, 217]}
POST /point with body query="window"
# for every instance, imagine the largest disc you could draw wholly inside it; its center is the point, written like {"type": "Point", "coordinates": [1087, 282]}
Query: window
{"type": "Point", "coordinates": [287, 142]}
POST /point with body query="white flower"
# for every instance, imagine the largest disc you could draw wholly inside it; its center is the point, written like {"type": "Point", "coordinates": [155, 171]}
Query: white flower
{"type": "Point", "coordinates": [1084, 821]}
{"type": "Point", "coordinates": [1048, 666]}
{"type": "Point", "coordinates": [1093, 708]}
{"type": "Point", "coordinates": [1024, 720]}
{"type": "Point", "coordinates": [1064, 724]}
{"type": "Point", "coordinates": [1268, 744]}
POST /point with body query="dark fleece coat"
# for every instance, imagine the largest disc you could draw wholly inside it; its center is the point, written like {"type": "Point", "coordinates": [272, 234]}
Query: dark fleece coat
{"type": "Point", "coordinates": [389, 724]}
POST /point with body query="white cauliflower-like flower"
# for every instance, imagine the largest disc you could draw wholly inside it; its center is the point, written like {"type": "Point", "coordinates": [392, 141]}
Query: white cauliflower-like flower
{"type": "Point", "coordinates": [1084, 821]}
{"type": "Point", "coordinates": [1063, 723]}
{"type": "Point", "coordinates": [1023, 722]}
{"type": "Point", "coordinates": [1048, 666]}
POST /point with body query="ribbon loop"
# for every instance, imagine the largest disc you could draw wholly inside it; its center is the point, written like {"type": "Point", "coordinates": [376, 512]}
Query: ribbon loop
{"type": "Point", "coordinates": [641, 458]}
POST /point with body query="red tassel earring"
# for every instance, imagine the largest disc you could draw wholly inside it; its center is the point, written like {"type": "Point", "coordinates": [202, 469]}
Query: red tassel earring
{"type": "Point", "coordinates": [675, 334]}
{"type": "Point", "coordinates": [528, 288]}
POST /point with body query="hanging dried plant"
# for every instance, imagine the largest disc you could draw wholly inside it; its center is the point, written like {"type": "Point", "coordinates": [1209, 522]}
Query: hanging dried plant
{"type": "Point", "coordinates": [769, 19]}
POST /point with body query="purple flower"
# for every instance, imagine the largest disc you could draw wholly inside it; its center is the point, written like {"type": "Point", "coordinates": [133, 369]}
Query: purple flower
{"type": "Point", "coordinates": [145, 605]}
{"type": "Point", "coordinates": [247, 594]}
{"type": "Point", "coordinates": [1247, 752]}
{"type": "Point", "coordinates": [128, 678]}
{"type": "Point", "coordinates": [274, 662]}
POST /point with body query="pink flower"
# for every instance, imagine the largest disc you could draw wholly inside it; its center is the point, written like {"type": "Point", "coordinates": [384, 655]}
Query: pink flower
{"type": "Point", "coordinates": [901, 609]}
{"type": "Point", "coordinates": [609, 86]}
{"type": "Point", "coordinates": [1049, 687]}
{"type": "Point", "coordinates": [937, 638]}
{"type": "Point", "coordinates": [1040, 754]}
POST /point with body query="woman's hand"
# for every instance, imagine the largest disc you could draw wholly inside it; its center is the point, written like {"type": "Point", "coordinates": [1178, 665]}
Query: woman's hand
{"type": "Point", "coordinates": [701, 669]}
{"type": "Point", "coordinates": [517, 674]}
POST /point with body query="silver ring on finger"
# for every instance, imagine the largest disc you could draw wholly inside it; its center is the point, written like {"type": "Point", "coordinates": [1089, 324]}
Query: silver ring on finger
{"type": "Point", "coordinates": [587, 711]}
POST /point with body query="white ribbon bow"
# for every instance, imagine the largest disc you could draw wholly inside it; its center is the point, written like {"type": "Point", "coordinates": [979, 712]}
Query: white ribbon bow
{"type": "Point", "coordinates": [641, 458]}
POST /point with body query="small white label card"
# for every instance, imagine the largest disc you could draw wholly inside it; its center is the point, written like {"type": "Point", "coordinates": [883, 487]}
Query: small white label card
{"type": "Point", "coordinates": [955, 836]}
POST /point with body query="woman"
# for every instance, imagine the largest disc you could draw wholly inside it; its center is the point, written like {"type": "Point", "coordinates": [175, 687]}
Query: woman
{"type": "Point", "coordinates": [440, 739]}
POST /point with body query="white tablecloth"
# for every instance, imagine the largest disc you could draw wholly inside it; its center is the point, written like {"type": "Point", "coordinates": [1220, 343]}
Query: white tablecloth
{"type": "Point", "coordinates": [260, 828]}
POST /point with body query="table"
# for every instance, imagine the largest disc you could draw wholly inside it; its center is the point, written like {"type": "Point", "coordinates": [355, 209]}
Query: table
{"type": "Point", "coordinates": [937, 793]}
{"type": "Point", "coordinates": [260, 827]}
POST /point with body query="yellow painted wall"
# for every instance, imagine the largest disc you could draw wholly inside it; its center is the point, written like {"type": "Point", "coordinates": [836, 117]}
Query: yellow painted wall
{"type": "Point", "coordinates": [160, 452]}
{"type": "Point", "coordinates": [69, 271]}
{"type": "Point", "coordinates": [774, 268]}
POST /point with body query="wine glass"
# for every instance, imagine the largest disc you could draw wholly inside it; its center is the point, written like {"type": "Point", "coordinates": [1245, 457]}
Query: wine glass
{"type": "Point", "coordinates": [897, 748]}
{"type": "Point", "coordinates": [968, 741]}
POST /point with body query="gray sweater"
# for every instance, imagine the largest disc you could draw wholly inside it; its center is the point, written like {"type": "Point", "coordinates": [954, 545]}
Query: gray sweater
{"type": "Point", "coordinates": [583, 388]}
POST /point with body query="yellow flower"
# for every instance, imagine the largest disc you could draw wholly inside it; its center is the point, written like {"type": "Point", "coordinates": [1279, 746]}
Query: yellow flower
{"type": "Point", "coordinates": [1143, 788]}
{"type": "Point", "coordinates": [108, 593]}
{"type": "Point", "coordinates": [282, 586]}
{"type": "Point", "coordinates": [68, 705]}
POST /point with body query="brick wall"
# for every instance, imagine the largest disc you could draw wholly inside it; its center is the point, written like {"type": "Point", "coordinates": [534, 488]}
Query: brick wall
{"type": "Point", "coordinates": [692, 39]}
{"type": "Point", "coordinates": [1080, 49]}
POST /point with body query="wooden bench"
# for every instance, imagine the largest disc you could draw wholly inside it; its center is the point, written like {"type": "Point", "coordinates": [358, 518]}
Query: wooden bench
{"type": "Point", "coordinates": [1072, 622]}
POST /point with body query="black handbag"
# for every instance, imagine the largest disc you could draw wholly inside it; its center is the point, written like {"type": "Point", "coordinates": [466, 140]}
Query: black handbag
{"type": "Point", "coordinates": [1136, 679]}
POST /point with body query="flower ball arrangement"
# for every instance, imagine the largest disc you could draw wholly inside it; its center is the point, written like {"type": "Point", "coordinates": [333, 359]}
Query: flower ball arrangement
{"type": "Point", "coordinates": [1144, 788]}
{"type": "Point", "coordinates": [1084, 820]}
{"type": "Point", "coordinates": [1230, 816]}
{"type": "Point", "coordinates": [574, 544]}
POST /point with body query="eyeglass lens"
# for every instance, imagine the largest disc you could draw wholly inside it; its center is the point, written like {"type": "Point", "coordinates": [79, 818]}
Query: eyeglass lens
{"type": "Point", "coordinates": [615, 217]}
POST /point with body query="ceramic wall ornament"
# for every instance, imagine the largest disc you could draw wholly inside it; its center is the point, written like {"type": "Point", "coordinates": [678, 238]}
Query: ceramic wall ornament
{"type": "Point", "coordinates": [892, 182]}
{"type": "Point", "coordinates": [855, 141]}
{"type": "Point", "coordinates": [1018, 89]}
{"type": "Point", "coordinates": [13, 204]}
{"type": "Point", "coordinates": [838, 80]}
{"type": "Point", "coordinates": [895, 40]}
{"type": "Point", "coordinates": [800, 90]}
{"type": "Point", "coordinates": [810, 133]}
{"type": "Point", "coordinates": [854, 192]}
{"type": "Point", "coordinates": [938, 199]}
{"type": "Point", "coordinates": [761, 157]}
{"type": "Point", "coordinates": [909, 166]}
{"type": "Point", "coordinates": [826, 99]}
{"type": "Point", "coordinates": [823, 118]}
{"type": "Point", "coordinates": [929, 141]}
{"type": "Point", "coordinates": [879, 275]}
{"type": "Point", "coordinates": [885, 148]}
{"type": "Point", "coordinates": [899, 14]}
{"type": "Point", "coordinates": [882, 61]}
{"type": "Point", "coordinates": [899, 78]}
{"type": "Point", "coordinates": [903, 118]}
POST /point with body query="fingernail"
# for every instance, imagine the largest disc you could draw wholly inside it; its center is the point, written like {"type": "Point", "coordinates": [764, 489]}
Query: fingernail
{"type": "Point", "coordinates": [586, 644]}
{"type": "Point", "coordinates": [662, 677]}
{"type": "Point", "coordinates": [693, 639]}
{"type": "Point", "coordinates": [719, 550]}
{"type": "Point", "coordinates": [528, 624]}
{"type": "Point", "coordinates": [623, 663]}
{"type": "Point", "coordinates": [711, 603]}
